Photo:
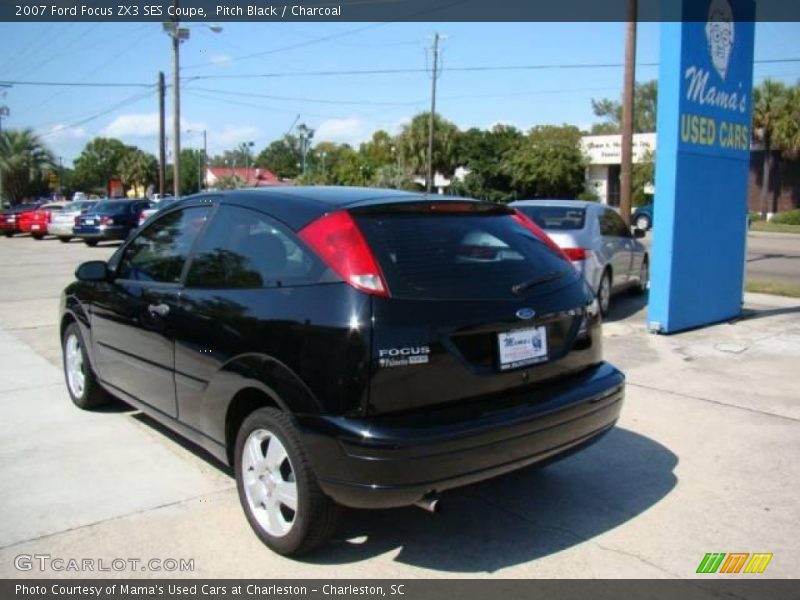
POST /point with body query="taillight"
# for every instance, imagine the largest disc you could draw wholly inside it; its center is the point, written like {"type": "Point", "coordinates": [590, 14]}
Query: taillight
{"type": "Point", "coordinates": [338, 241]}
{"type": "Point", "coordinates": [77, 221]}
{"type": "Point", "coordinates": [141, 218]}
{"type": "Point", "coordinates": [106, 220]}
{"type": "Point", "coordinates": [576, 254]}
{"type": "Point", "coordinates": [523, 220]}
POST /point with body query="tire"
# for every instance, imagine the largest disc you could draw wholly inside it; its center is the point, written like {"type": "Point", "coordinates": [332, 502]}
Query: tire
{"type": "Point", "coordinates": [287, 532]}
{"type": "Point", "coordinates": [604, 293]}
{"type": "Point", "coordinates": [8, 234]}
{"type": "Point", "coordinates": [64, 240]}
{"type": "Point", "coordinates": [644, 277]}
{"type": "Point", "coordinates": [38, 237]}
{"type": "Point", "coordinates": [82, 384]}
{"type": "Point", "coordinates": [643, 222]}
{"type": "Point", "coordinates": [90, 243]}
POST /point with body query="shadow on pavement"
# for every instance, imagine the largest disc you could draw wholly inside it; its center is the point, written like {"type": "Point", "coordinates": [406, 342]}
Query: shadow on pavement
{"type": "Point", "coordinates": [517, 518]}
{"type": "Point", "coordinates": [624, 306]}
{"type": "Point", "coordinates": [749, 314]}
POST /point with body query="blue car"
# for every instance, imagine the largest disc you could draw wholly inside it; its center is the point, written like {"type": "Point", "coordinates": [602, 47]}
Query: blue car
{"type": "Point", "coordinates": [109, 220]}
{"type": "Point", "coordinates": [643, 217]}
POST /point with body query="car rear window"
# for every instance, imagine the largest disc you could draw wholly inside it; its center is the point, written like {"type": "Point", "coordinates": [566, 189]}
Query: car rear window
{"type": "Point", "coordinates": [453, 256]}
{"type": "Point", "coordinates": [555, 218]}
{"type": "Point", "coordinates": [112, 208]}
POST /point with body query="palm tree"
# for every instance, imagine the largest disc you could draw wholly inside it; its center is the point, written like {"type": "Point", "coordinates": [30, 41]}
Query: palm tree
{"type": "Point", "coordinates": [137, 169]}
{"type": "Point", "coordinates": [23, 160]}
{"type": "Point", "coordinates": [412, 145]}
{"type": "Point", "coordinates": [770, 102]}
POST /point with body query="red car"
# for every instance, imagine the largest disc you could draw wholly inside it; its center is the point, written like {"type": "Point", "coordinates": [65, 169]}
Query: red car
{"type": "Point", "coordinates": [10, 218]}
{"type": "Point", "coordinates": [35, 222]}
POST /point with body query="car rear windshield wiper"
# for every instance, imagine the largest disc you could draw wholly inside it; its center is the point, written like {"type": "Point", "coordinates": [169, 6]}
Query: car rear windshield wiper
{"type": "Point", "coordinates": [526, 285]}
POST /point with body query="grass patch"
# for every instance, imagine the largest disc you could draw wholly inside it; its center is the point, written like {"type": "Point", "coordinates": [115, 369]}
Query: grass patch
{"type": "Point", "coordinates": [778, 288]}
{"type": "Point", "coordinates": [774, 227]}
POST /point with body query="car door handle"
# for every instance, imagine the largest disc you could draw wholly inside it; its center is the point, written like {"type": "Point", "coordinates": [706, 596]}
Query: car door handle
{"type": "Point", "coordinates": [162, 310]}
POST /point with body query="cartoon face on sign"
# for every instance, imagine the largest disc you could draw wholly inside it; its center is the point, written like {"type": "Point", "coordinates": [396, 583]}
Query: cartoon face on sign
{"type": "Point", "coordinates": [719, 35]}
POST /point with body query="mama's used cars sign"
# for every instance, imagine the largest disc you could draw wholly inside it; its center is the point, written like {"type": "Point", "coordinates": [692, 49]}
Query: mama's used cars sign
{"type": "Point", "coordinates": [702, 163]}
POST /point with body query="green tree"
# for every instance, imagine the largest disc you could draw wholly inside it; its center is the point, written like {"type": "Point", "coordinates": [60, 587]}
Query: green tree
{"type": "Point", "coordinates": [24, 160]}
{"type": "Point", "coordinates": [412, 146]}
{"type": "Point", "coordinates": [645, 100]}
{"type": "Point", "coordinates": [394, 177]}
{"type": "Point", "coordinates": [98, 163]}
{"type": "Point", "coordinates": [776, 109]}
{"type": "Point", "coordinates": [547, 163]}
{"type": "Point", "coordinates": [229, 182]}
{"type": "Point", "coordinates": [483, 154]}
{"type": "Point", "coordinates": [380, 151]}
{"type": "Point", "coordinates": [191, 170]}
{"type": "Point", "coordinates": [283, 157]}
{"type": "Point", "coordinates": [643, 173]}
{"type": "Point", "coordinates": [138, 168]}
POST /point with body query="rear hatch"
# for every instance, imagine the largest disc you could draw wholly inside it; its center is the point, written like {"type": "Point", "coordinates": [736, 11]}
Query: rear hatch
{"type": "Point", "coordinates": [478, 302]}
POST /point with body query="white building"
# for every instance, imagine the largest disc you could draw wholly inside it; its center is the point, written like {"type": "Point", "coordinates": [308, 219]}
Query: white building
{"type": "Point", "coordinates": [605, 156]}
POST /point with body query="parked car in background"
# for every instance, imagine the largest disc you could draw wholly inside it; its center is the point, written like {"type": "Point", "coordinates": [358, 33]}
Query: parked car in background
{"type": "Point", "coordinates": [109, 220]}
{"type": "Point", "coordinates": [597, 242]}
{"type": "Point", "coordinates": [11, 218]}
{"type": "Point", "coordinates": [63, 221]}
{"type": "Point", "coordinates": [36, 222]}
{"type": "Point", "coordinates": [159, 205]}
{"type": "Point", "coordinates": [344, 346]}
{"type": "Point", "coordinates": [642, 217]}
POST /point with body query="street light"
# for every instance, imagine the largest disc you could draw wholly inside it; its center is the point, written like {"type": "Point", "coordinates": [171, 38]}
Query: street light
{"type": "Point", "coordinates": [178, 34]}
{"type": "Point", "coordinates": [306, 134]}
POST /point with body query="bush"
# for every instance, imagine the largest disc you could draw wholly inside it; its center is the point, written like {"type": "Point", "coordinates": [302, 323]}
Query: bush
{"type": "Point", "coordinates": [754, 216]}
{"type": "Point", "coordinates": [791, 217]}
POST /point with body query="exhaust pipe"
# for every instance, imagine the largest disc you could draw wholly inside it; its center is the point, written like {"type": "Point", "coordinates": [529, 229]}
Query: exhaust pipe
{"type": "Point", "coordinates": [429, 503]}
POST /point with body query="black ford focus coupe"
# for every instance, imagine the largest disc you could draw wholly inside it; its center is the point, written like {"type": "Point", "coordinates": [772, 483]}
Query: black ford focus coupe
{"type": "Point", "coordinates": [344, 346]}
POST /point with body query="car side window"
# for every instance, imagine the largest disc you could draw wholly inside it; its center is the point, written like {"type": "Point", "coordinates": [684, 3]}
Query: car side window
{"type": "Point", "coordinates": [245, 249]}
{"type": "Point", "coordinates": [612, 225]}
{"type": "Point", "coordinates": [159, 252]}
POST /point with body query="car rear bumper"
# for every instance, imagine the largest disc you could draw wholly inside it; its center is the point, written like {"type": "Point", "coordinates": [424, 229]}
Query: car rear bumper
{"type": "Point", "coordinates": [60, 229]}
{"type": "Point", "coordinates": [104, 233]}
{"type": "Point", "coordinates": [395, 461]}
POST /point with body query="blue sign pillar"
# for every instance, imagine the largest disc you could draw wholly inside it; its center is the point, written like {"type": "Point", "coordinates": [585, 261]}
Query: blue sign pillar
{"type": "Point", "coordinates": [702, 164]}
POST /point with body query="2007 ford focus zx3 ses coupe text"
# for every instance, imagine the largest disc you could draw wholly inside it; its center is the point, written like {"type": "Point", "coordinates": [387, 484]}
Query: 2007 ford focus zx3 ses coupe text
{"type": "Point", "coordinates": [344, 346]}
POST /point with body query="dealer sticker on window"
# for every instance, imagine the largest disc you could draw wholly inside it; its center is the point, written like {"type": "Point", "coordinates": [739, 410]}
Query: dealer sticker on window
{"type": "Point", "coordinates": [522, 347]}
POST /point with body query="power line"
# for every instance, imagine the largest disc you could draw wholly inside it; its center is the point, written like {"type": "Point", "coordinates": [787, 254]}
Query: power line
{"type": "Point", "coordinates": [131, 100]}
{"type": "Point", "coordinates": [300, 99]}
{"type": "Point", "coordinates": [464, 69]}
{"type": "Point", "coordinates": [365, 72]}
{"type": "Point", "coordinates": [74, 83]}
{"type": "Point", "coordinates": [334, 36]}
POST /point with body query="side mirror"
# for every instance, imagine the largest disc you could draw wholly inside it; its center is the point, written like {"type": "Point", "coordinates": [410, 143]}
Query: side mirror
{"type": "Point", "coordinates": [93, 270]}
{"type": "Point", "coordinates": [638, 233]}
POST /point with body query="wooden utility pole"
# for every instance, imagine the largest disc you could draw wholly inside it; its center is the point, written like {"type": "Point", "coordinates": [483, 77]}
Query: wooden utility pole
{"type": "Point", "coordinates": [626, 167]}
{"type": "Point", "coordinates": [162, 139]}
{"type": "Point", "coordinates": [176, 106]}
{"type": "Point", "coordinates": [429, 178]}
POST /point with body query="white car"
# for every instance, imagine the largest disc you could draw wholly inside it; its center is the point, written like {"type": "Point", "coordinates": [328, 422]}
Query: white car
{"type": "Point", "coordinates": [596, 239]}
{"type": "Point", "coordinates": [62, 221]}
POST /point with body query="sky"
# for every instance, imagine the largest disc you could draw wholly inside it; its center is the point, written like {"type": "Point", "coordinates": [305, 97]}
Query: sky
{"type": "Point", "coordinates": [342, 107]}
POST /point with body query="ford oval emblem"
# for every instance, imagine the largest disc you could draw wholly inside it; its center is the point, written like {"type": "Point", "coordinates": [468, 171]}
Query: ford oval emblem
{"type": "Point", "coordinates": [526, 313]}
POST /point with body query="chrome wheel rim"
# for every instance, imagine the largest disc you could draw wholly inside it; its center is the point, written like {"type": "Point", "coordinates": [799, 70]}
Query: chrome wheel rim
{"type": "Point", "coordinates": [76, 378]}
{"type": "Point", "coordinates": [269, 483]}
{"type": "Point", "coordinates": [605, 294]}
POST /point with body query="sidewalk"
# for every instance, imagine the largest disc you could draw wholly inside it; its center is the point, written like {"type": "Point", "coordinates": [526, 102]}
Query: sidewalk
{"type": "Point", "coordinates": [704, 460]}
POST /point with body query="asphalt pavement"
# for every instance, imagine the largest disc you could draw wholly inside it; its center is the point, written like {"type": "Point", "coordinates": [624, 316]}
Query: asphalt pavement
{"type": "Point", "coordinates": [773, 257]}
{"type": "Point", "coordinates": [703, 460]}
